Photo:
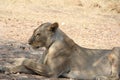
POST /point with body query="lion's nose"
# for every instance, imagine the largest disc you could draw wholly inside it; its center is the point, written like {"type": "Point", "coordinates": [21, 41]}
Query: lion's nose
{"type": "Point", "coordinates": [29, 42]}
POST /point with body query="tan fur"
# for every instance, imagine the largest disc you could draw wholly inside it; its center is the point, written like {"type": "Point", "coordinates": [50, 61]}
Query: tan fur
{"type": "Point", "coordinates": [64, 57]}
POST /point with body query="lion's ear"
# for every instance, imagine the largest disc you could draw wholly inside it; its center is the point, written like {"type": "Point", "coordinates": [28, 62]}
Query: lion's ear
{"type": "Point", "coordinates": [53, 27]}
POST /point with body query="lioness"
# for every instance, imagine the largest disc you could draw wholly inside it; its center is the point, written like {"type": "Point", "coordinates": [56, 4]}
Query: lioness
{"type": "Point", "coordinates": [65, 58]}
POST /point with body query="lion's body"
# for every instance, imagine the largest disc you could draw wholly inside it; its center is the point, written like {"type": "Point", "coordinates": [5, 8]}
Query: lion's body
{"type": "Point", "coordinates": [64, 57]}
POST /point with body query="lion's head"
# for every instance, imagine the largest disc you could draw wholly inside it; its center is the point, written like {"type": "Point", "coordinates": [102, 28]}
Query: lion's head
{"type": "Point", "coordinates": [43, 36]}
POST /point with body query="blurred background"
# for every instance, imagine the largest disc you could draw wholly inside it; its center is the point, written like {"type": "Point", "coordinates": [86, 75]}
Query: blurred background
{"type": "Point", "coordinates": [90, 23]}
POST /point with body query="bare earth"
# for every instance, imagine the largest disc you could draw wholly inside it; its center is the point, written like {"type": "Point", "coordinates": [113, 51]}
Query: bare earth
{"type": "Point", "coordinates": [90, 23]}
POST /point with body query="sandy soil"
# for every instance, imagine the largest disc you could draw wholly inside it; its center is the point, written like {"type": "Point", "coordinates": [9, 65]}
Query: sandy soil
{"type": "Point", "coordinates": [90, 23]}
{"type": "Point", "coordinates": [90, 26]}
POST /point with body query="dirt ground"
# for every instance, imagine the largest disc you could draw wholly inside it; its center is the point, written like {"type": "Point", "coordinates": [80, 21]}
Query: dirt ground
{"type": "Point", "coordinates": [90, 23]}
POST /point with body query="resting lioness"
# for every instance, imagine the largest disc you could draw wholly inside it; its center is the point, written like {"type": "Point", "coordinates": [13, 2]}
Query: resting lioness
{"type": "Point", "coordinates": [65, 58]}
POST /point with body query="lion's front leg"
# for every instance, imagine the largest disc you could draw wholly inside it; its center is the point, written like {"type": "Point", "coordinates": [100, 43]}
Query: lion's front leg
{"type": "Point", "coordinates": [51, 68]}
{"type": "Point", "coordinates": [17, 67]}
{"type": "Point", "coordinates": [36, 67]}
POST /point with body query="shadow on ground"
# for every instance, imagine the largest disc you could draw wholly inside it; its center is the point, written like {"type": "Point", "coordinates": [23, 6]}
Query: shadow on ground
{"type": "Point", "coordinates": [13, 50]}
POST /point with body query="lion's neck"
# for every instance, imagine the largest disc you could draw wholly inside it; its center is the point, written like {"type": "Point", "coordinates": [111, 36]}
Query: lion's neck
{"type": "Point", "coordinates": [58, 36]}
{"type": "Point", "coordinates": [61, 37]}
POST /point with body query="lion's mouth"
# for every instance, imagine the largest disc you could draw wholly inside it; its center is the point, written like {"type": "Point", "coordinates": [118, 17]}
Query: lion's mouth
{"type": "Point", "coordinates": [36, 47]}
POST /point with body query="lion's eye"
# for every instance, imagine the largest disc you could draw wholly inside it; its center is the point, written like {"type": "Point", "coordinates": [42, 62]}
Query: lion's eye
{"type": "Point", "coordinates": [38, 34]}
